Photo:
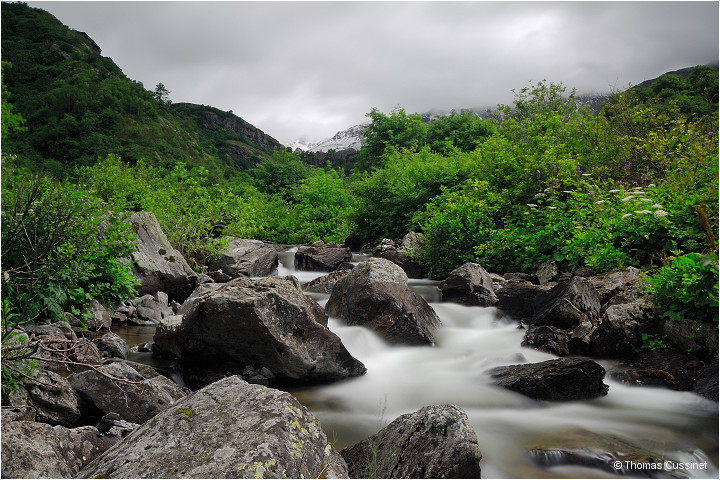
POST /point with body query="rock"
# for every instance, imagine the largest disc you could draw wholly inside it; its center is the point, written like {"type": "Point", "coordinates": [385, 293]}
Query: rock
{"type": "Point", "coordinates": [326, 283]}
{"type": "Point", "coordinates": [148, 311]}
{"type": "Point", "coordinates": [113, 346]}
{"type": "Point", "coordinates": [53, 399]}
{"type": "Point", "coordinates": [548, 339]}
{"type": "Point", "coordinates": [156, 265]}
{"type": "Point", "coordinates": [620, 330]}
{"type": "Point", "coordinates": [547, 272]}
{"type": "Point", "coordinates": [375, 294]}
{"type": "Point", "coordinates": [218, 276]}
{"type": "Point", "coordinates": [469, 285]}
{"type": "Point", "coordinates": [663, 367]}
{"type": "Point", "coordinates": [706, 383]}
{"type": "Point", "coordinates": [38, 450]}
{"type": "Point", "coordinates": [249, 258]}
{"type": "Point", "coordinates": [135, 402]}
{"type": "Point", "coordinates": [561, 379]}
{"type": "Point", "coordinates": [691, 336]}
{"type": "Point", "coordinates": [114, 429]}
{"type": "Point", "coordinates": [257, 323]}
{"type": "Point", "coordinates": [402, 255]}
{"type": "Point", "coordinates": [229, 429]}
{"type": "Point", "coordinates": [321, 256]}
{"type": "Point", "coordinates": [567, 305]}
{"type": "Point", "coordinates": [616, 283]}
{"type": "Point", "coordinates": [100, 317]}
{"type": "Point", "coordinates": [515, 298]}
{"type": "Point", "coordinates": [581, 447]}
{"type": "Point", "coordinates": [434, 442]}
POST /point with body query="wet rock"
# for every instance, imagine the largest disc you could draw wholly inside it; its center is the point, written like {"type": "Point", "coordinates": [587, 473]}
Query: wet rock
{"type": "Point", "coordinates": [249, 258]}
{"type": "Point", "coordinates": [567, 305]}
{"type": "Point", "coordinates": [562, 379]}
{"type": "Point", "coordinates": [375, 294]}
{"type": "Point", "coordinates": [258, 323]}
{"type": "Point", "coordinates": [470, 285]}
{"type": "Point", "coordinates": [616, 284]}
{"type": "Point", "coordinates": [706, 383]}
{"type": "Point", "coordinates": [434, 442]}
{"type": "Point", "coordinates": [401, 255]}
{"type": "Point", "coordinates": [53, 399]}
{"type": "Point", "coordinates": [603, 452]}
{"type": "Point", "coordinates": [136, 400]}
{"type": "Point", "coordinates": [229, 429]}
{"type": "Point", "coordinates": [321, 256]}
{"type": "Point", "coordinates": [620, 330]}
{"type": "Point", "coordinates": [664, 367]}
{"type": "Point", "coordinates": [547, 272]}
{"type": "Point", "coordinates": [515, 297]}
{"type": "Point", "coordinates": [326, 283]}
{"type": "Point", "coordinates": [548, 339]}
{"type": "Point", "coordinates": [38, 450]}
{"type": "Point", "coordinates": [156, 265]}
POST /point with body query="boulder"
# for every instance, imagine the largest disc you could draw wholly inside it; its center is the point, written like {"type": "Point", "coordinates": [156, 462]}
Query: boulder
{"type": "Point", "coordinates": [100, 319]}
{"type": "Point", "coordinates": [604, 452]}
{"type": "Point", "coordinates": [249, 258]}
{"type": "Point", "coordinates": [229, 429]}
{"type": "Point", "coordinates": [112, 345]}
{"type": "Point", "coordinates": [53, 398]}
{"type": "Point", "coordinates": [375, 294]}
{"type": "Point", "coordinates": [620, 330]}
{"type": "Point", "coordinates": [257, 323]}
{"type": "Point", "coordinates": [470, 285]}
{"type": "Point", "coordinates": [434, 442]}
{"type": "Point", "coordinates": [147, 310]}
{"type": "Point", "coordinates": [326, 283]}
{"type": "Point", "coordinates": [691, 336]}
{"type": "Point", "coordinates": [547, 272]}
{"type": "Point", "coordinates": [706, 383]}
{"type": "Point", "coordinates": [567, 305]}
{"type": "Point", "coordinates": [547, 339]}
{"type": "Point", "coordinates": [157, 266]}
{"type": "Point", "coordinates": [321, 256]}
{"type": "Point", "coordinates": [516, 296]}
{"type": "Point", "coordinates": [619, 283]}
{"type": "Point", "coordinates": [38, 450]}
{"type": "Point", "coordinates": [662, 367]}
{"type": "Point", "coordinates": [401, 255]}
{"type": "Point", "coordinates": [562, 379]}
{"type": "Point", "coordinates": [137, 399]}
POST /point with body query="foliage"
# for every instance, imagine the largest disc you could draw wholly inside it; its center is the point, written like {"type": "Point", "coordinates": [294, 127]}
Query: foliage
{"type": "Point", "coordinates": [280, 174]}
{"type": "Point", "coordinates": [687, 287]}
{"type": "Point", "coordinates": [60, 249]}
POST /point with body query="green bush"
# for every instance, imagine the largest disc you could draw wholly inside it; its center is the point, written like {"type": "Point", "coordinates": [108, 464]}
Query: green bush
{"type": "Point", "coordinates": [687, 288]}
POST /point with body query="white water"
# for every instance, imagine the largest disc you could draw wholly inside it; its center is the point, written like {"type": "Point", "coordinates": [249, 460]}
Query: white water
{"type": "Point", "coordinates": [400, 380]}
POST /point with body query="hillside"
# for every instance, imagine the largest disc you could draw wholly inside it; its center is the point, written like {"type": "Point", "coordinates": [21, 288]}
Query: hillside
{"type": "Point", "coordinates": [80, 106]}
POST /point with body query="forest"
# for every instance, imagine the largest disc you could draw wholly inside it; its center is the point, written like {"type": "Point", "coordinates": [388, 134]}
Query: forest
{"type": "Point", "coordinates": [635, 184]}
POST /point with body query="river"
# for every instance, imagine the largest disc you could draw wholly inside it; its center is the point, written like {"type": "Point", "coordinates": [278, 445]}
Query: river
{"type": "Point", "coordinates": [399, 380]}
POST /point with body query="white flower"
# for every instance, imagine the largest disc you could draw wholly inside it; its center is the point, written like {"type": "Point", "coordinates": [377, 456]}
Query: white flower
{"type": "Point", "coordinates": [652, 185]}
{"type": "Point", "coordinates": [626, 215]}
{"type": "Point", "coordinates": [614, 191]}
{"type": "Point", "coordinates": [645, 200]}
{"type": "Point", "coordinates": [531, 205]}
{"type": "Point", "coordinates": [629, 197]}
{"type": "Point", "coordinates": [643, 212]}
{"type": "Point", "coordinates": [586, 174]}
{"type": "Point", "coordinates": [599, 201]}
{"type": "Point", "coordinates": [661, 213]}
{"type": "Point", "coordinates": [567, 191]}
{"type": "Point", "coordinates": [552, 208]}
{"type": "Point", "coordinates": [637, 188]}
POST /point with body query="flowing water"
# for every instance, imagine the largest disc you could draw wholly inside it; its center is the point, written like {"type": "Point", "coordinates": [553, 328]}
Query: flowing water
{"type": "Point", "coordinates": [471, 340]}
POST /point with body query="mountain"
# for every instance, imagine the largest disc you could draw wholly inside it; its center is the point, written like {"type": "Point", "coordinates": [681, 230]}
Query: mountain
{"type": "Point", "coordinates": [349, 138]}
{"type": "Point", "coordinates": [79, 106]}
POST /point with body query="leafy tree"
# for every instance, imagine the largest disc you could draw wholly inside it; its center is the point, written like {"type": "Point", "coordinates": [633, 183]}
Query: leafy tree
{"type": "Point", "coordinates": [398, 130]}
{"type": "Point", "coordinates": [463, 131]}
{"type": "Point", "coordinates": [280, 174]}
{"type": "Point", "coordinates": [162, 94]}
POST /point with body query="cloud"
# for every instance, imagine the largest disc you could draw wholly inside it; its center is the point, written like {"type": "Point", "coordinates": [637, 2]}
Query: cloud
{"type": "Point", "coordinates": [312, 68]}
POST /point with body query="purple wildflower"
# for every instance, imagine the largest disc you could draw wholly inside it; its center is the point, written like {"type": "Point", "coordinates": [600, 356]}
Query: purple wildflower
{"type": "Point", "coordinates": [644, 178]}
{"type": "Point", "coordinates": [577, 169]}
{"type": "Point", "coordinates": [627, 165]}
{"type": "Point", "coordinates": [635, 184]}
{"type": "Point", "coordinates": [711, 134]}
{"type": "Point", "coordinates": [678, 170]}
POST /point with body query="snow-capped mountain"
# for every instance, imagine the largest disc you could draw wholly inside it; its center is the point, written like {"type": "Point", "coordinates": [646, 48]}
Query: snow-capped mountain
{"type": "Point", "coordinates": [350, 138]}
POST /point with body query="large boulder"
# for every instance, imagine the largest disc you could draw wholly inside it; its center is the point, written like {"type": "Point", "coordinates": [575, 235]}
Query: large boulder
{"type": "Point", "coordinates": [516, 296]}
{"type": "Point", "coordinates": [249, 258]}
{"type": "Point", "coordinates": [469, 284]}
{"type": "Point", "coordinates": [112, 345]}
{"type": "Point", "coordinates": [229, 429]}
{"type": "Point", "coordinates": [326, 283]}
{"type": "Point", "coordinates": [561, 379]}
{"type": "Point", "coordinates": [38, 450]}
{"type": "Point", "coordinates": [258, 323]}
{"type": "Point", "coordinates": [616, 287]}
{"type": "Point", "coordinates": [621, 328]}
{"type": "Point", "coordinates": [661, 367]}
{"type": "Point", "coordinates": [547, 339]}
{"type": "Point", "coordinates": [567, 305]}
{"type": "Point", "coordinates": [100, 318]}
{"type": "Point", "coordinates": [706, 383]}
{"type": "Point", "coordinates": [156, 264]}
{"type": "Point", "coordinates": [321, 256]}
{"type": "Point", "coordinates": [401, 255]}
{"type": "Point", "coordinates": [120, 388]}
{"type": "Point", "coordinates": [375, 294]}
{"type": "Point", "coordinates": [434, 442]}
{"type": "Point", "coordinates": [53, 398]}
{"type": "Point", "coordinates": [692, 336]}
{"type": "Point", "coordinates": [547, 272]}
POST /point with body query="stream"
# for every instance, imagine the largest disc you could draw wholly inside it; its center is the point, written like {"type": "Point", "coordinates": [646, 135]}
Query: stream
{"type": "Point", "coordinates": [399, 380]}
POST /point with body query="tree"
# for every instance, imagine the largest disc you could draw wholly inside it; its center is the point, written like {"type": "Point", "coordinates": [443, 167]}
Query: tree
{"type": "Point", "coordinates": [10, 121]}
{"type": "Point", "coordinates": [398, 130]}
{"type": "Point", "coordinates": [162, 94]}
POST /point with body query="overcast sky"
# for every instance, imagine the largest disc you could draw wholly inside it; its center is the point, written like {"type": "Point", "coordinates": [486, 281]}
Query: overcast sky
{"type": "Point", "coordinates": [311, 69]}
